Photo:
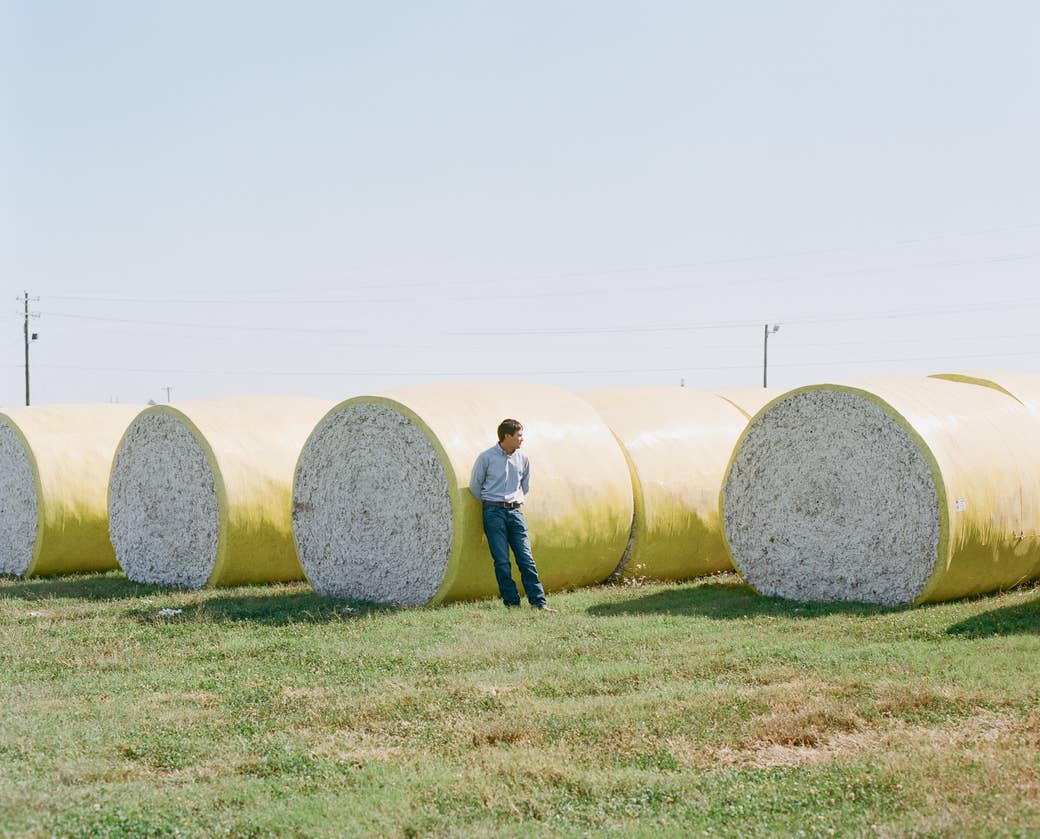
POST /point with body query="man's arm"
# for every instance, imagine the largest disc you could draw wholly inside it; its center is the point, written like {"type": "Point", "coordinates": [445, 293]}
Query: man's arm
{"type": "Point", "coordinates": [477, 476]}
{"type": "Point", "coordinates": [525, 479]}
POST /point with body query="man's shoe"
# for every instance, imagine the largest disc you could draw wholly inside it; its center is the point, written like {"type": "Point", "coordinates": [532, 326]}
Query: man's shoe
{"type": "Point", "coordinates": [545, 607]}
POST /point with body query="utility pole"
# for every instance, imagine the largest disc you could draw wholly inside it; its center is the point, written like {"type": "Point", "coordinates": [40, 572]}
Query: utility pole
{"type": "Point", "coordinates": [28, 337]}
{"type": "Point", "coordinates": [168, 388]}
{"type": "Point", "coordinates": [26, 328]}
{"type": "Point", "coordinates": [765, 348]}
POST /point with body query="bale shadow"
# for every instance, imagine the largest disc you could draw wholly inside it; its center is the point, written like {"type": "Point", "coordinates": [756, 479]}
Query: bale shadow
{"type": "Point", "coordinates": [729, 601]}
{"type": "Point", "coordinates": [273, 605]}
{"type": "Point", "coordinates": [106, 585]}
{"type": "Point", "coordinates": [274, 609]}
{"type": "Point", "coordinates": [1019, 619]}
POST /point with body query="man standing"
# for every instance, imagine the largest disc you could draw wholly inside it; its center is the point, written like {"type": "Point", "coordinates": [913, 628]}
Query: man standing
{"type": "Point", "coordinates": [500, 480]}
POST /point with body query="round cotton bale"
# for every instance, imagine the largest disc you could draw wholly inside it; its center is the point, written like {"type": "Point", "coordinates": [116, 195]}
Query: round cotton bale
{"type": "Point", "coordinates": [382, 509]}
{"type": "Point", "coordinates": [54, 465]}
{"type": "Point", "coordinates": [678, 442]}
{"type": "Point", "coordinates": [201, 492]}
{"type": "Point", "coordinates": [897, 491]}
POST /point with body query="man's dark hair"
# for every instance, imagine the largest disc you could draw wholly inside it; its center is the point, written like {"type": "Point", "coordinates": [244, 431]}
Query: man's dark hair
{"type": "Point", "coordinates": [508, 426]}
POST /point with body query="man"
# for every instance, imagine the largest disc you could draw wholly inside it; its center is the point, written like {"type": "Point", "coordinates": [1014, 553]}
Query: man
{"type": "Point", "coordinates": [500, 480]}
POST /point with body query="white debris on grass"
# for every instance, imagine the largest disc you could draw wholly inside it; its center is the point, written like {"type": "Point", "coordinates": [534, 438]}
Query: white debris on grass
{"type": "Point", "coordinates": [164, 517]}
{"type": "Point", "coordinates": [371, 509]}
{"type": "Point", "coordinates": [830, 498]}
{"type": "Point", "coordinates": [18, 504]}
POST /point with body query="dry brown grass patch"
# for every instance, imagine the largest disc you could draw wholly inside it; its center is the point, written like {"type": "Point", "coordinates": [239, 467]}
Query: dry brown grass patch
{"type": "Point", "coordinates": [802, 713]}
{"type": "Point", "coordinates": [789, 724]}
{"type": "Point", "coordinates": [910, 701]}
{"type": "Point", "coordinates": [986, 738]}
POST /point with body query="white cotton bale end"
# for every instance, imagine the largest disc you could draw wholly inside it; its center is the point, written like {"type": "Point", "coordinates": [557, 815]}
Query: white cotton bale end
{"type": "Point", "coordinates": [382, 509]}
{"type": "Point", "coordinates": [200, 492]}
{"type": "Point", "coordinates": [678, 442]}
{"type": "Point", "coordinates": [897, 491]}
{"type": "Point", "coordinates": [54, 466]}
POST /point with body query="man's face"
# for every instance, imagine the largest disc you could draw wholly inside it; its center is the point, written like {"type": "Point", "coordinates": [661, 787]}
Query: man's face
{"type": "Point", "coordinates": [511, 442]}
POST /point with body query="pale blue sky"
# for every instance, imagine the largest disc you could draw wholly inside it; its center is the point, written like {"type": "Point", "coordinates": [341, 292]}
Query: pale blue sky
{"type": "Point", "coordinates": [337, 198]}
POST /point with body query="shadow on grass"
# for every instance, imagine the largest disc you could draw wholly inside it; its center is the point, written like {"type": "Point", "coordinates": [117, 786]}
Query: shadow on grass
{"type": "Point", "coordinates": [108, 585]}
{"type": "Point", "coordinates": [1019, 619]}
{"type": "Point", "coordinates": [728, 601]}
{"type": "Point", "coordinates": [272, 606]}
{"type": "Point", "coordinates": [274, 609]}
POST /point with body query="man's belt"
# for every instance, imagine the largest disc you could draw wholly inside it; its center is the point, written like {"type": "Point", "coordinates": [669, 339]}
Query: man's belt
{"type": "Point", "coordinates": [509, 505]}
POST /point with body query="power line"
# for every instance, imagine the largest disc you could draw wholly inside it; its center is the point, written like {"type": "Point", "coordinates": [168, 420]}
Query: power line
{"type": "Point", "coordinates": [439, 373]}
{"type": "Point", "coordinates": [930, 311]}
{"type": "Point", "coordinates": [585, 347]}
{"type": "Point", "coordinates": [558, 294]}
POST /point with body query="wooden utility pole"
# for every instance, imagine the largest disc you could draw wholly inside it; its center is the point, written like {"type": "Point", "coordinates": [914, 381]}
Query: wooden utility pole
{"type": "Point", "coordinates": [29, 338]}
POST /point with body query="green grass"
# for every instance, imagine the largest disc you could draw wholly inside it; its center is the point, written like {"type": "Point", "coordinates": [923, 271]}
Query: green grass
{"type": "Point", "coordinates": [655, 710]}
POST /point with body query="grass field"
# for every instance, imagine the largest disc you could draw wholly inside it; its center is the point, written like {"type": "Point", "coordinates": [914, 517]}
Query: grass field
{"type": "Point", "coordinates": [654, 710]}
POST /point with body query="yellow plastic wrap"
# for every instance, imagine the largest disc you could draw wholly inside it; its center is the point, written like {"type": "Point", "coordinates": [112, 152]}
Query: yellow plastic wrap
{"type": "Point", "coordinates": [981, 445]}
{"type": "Point", "coordinates": [750, 400]}
{"type": "Point", "coordinates": [578, 510]}
{"type": "Point", "coordinates": [251, 444]}
{"type": "Point", "coordinates": [70, 450]}
{"type": "Point", "coordinates": [678, 442]}
{"type": "Point", "coordinates": [1025, 387]}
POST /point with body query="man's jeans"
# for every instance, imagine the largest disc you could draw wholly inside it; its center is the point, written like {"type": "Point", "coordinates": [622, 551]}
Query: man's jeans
{"type": "Point", "coordinates": [504, 529]}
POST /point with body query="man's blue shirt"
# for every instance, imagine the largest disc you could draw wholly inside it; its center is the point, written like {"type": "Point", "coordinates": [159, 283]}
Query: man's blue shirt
{"type": "Point", "coordinates": [497, 476]}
